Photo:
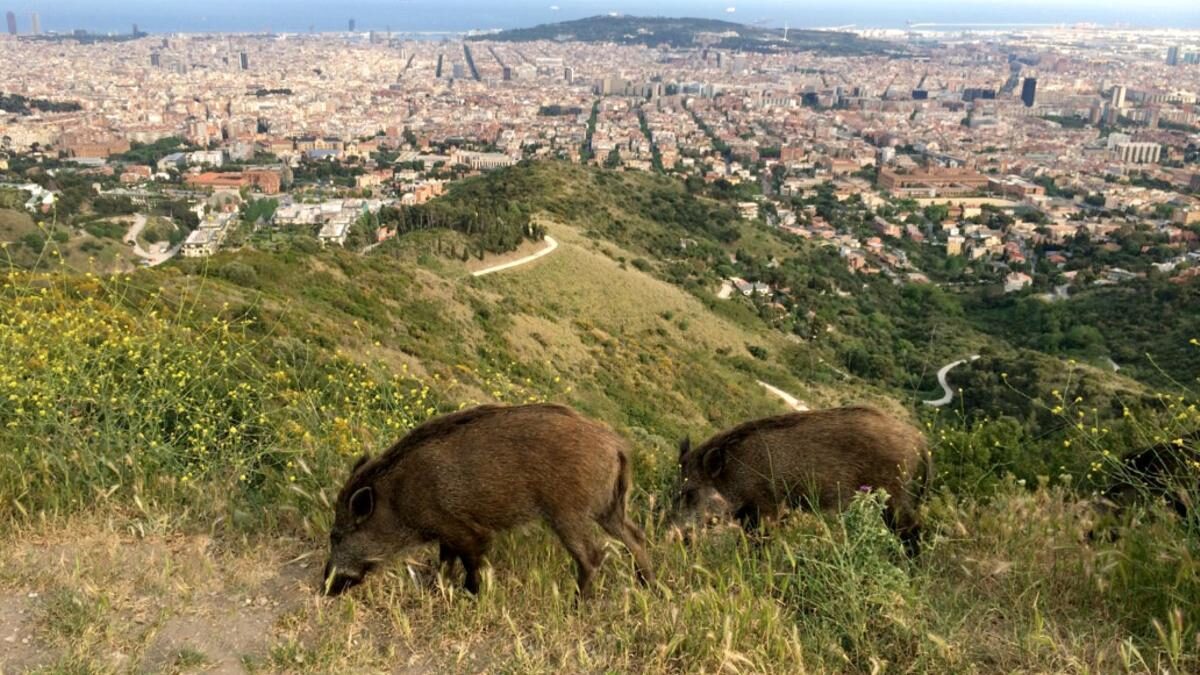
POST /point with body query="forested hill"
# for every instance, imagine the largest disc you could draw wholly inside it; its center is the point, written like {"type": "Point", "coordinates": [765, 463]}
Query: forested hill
{"type": "Point", "coordinates": [688, 32]}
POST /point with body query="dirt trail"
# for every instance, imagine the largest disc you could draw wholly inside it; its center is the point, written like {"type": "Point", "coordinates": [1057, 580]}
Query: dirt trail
{"type": "Point", "coordinates": [791, 401]}
{"type": "Point", "coordinates": [551, 244]}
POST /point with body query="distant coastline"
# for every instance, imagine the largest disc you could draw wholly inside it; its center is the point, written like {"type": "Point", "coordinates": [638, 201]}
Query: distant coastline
{"type": "Point", "coordinates": [432, 19]}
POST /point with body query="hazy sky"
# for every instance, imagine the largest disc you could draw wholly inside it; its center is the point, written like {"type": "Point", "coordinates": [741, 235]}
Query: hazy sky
{"type": "Point", "coordinates": [169, 15]}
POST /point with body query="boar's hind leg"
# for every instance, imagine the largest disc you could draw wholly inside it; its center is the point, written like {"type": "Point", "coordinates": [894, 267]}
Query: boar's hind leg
{"type": "Point", "coordinates": [618, 525]}
{"type": "Point", "coordinates": [575, 536]}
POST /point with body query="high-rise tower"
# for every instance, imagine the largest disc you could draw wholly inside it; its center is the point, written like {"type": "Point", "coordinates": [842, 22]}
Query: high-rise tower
{"type": "Point", "coordinates": [1029, 91]}
{"type": "Point", "coordinates": [35, 24]}
{"type": "Point", "coordinates": [1118, 97]}
{"type": "Point", "coordinates": [12, 23]}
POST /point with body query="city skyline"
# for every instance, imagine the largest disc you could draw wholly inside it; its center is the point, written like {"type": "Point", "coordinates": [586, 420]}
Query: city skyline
{"type": "Point", "coordinates": [427, 15]}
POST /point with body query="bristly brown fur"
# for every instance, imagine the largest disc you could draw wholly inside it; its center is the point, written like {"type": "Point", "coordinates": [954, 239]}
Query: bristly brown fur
{"type": "Point", "coordinates": [464, 477]}
{"type": "Point", "coordinates": [733, 438]}
{"type": "Point", "coordinates": [439, 427]}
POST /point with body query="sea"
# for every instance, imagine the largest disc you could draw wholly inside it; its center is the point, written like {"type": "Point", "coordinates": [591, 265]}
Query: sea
{"type": "Point", "coordinates": [456, 16]}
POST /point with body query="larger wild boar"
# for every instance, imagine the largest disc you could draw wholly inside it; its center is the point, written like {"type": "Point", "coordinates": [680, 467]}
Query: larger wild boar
{"type": "Point", "coordinates": [461, 478]}
{"type": "Point", "coordinates": [816, 459]}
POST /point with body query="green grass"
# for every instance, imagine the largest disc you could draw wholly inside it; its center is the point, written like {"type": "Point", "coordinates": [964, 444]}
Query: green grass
{"type": "Point", "coordinates": [189, 658]}
{"type": "Point", "coordinates": [1004, 585]}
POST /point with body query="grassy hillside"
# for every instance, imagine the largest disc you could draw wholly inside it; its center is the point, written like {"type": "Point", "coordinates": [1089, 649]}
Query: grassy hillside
{"type": "Point", "coordinates": [96, 246]}
{"type": "Point", "coordinates": [172, 440]}
{"type": "Point", "coordinates": [837, 327]}
{"type": "Point", "coordinates": [14, 225]}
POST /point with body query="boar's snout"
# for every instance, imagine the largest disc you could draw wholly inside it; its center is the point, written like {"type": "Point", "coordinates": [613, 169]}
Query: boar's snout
{"type": "Point", "coordinates": [680, 533]}
{"type": "Point", "coordinates": [697, 508]}
{"type": "Point", "coordinates": [337, 580]}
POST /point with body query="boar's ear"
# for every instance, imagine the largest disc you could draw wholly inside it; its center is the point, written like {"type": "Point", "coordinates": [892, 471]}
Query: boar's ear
{"type": "Point", "coordinates": [713, 462]}
{"type": "Point", "coordinates": [362, 503]}
{"type": "Point", "coordinates": [366, 457]}
{"type": "Point", "coordinates": [685, 446]}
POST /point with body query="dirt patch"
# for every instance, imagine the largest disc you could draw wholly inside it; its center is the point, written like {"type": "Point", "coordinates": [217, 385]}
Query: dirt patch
{"type": "Point", "coordinates": [162, 604]}
{"type": "Point", "coordinates": [20, 649]}
{"type": "Point", "coordinates": [222, 629]}
{"type": "Point", "coordinates": [217, 636]}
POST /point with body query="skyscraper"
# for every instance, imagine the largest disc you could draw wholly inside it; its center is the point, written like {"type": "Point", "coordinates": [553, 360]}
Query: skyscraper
{"type": "Point", "coordinates": [135, 29]}
{"type": "Point", "coordinates": [12, 23]}
{"type": "Point", "coordinates": [1029, 91]}
{"type": "Point", "coordinates": [351, 25]}
{"type": "Point", "coordinates": [245, 59]}
{"type": "Point", "coordinates": [35, 24]}
{"type": "Point", "coordinates": [1118, 97]}
{"type": "Point", "coordinates": [1173, 56]}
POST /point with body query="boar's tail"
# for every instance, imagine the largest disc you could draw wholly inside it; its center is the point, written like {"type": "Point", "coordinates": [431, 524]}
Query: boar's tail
{"type": "Point", "coordinates": [621, 488]}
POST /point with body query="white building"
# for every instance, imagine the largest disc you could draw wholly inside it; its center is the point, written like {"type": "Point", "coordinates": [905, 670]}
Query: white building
{"type": "Point", "coordinates": [483, 161]}
{"type": "Point", "coordinates": [1139, 153]}
{"type": "Point", "coordinates": [1017, 281]}
{"type": "Point", "coordinates": [336, 230]}
{"type": "Point", "coordinates": [206, 239]}
{"type": "Point", "coordinates": [209, 157]}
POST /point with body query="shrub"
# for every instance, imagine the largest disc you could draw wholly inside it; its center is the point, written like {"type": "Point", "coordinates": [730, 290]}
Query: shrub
{"type": "Point", "coordinates": [34, 241]}
{"type": "Point", "coordinates": [104, 229]}
{"type": "Point", "coordinates": [757, 352]}
{"type": "Point", "coordinates": [239, 273]}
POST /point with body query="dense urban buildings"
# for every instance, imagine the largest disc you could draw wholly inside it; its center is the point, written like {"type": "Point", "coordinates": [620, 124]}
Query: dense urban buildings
{"type": "Point", "coordinates": [1066, 130]}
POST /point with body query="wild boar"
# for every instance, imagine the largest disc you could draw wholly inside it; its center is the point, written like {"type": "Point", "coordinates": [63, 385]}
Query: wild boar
{"type": "Point", "coordinates": [816, 459]}
{"type": "Point", "coordinates": [461, 478]}
{"type": "Point", "coordinates": [1168, 471]}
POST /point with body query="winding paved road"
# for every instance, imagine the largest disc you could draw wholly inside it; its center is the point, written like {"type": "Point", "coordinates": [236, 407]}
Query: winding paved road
{"type": "Point", "coordinates": [551, 244]}
{"type": "Point", "coordinates": [948, 393]}
{"type": "Point", "coordinates": [793, 402]}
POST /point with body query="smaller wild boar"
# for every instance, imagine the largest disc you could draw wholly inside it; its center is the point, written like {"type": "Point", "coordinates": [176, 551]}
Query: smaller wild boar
{"type": "Point", "coordinates": [1168, 471]}
{"type": "Point", "coordinates": [461, 478]}
{"type": "Point", "coordinates": [815, 459]}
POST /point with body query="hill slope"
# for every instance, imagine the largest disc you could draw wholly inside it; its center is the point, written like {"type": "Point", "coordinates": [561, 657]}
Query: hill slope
{"type": "Point", "coordinates": [172, 443]}
{"type": "Point", "coordinates": [690, 32]}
